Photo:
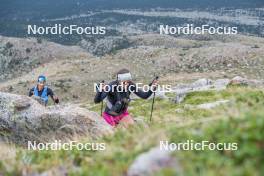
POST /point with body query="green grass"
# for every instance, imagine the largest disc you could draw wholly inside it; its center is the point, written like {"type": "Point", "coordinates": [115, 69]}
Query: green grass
{"type": "Point", "coordinates": [246, 131]}
{"type": "Point", "coordinates": [196, 98]}
{"type": "Point", "coordinates": [244, 124]}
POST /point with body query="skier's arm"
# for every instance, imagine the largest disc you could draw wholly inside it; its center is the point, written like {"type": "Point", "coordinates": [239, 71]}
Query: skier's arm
{"type": "Point", "coordinates": [142, 94]}
{"type": "Point", "coordinates": [31, 92]}
{"type": "Point", "coordinates": [53, 96]}
{"type": "Point", "coordinates": [100, 95]}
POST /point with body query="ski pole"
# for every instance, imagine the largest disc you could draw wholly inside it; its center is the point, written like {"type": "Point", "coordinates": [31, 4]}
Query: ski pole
{"type": "Point", "coordinates": [102, 103]}
{"type": "Point", "coordinates": [153, 100]}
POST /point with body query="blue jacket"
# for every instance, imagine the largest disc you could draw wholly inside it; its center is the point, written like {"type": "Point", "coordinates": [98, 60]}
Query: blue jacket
{"type": "Point", "coordinates": [44, 95]}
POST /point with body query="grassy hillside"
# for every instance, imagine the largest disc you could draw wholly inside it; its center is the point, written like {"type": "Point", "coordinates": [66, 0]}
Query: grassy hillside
{"type": "Point", "coordinates": [240, 121]}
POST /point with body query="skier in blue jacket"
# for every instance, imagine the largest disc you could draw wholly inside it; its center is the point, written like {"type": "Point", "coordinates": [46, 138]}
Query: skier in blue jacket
{"type": "Point", "coordinates": [43, 92]}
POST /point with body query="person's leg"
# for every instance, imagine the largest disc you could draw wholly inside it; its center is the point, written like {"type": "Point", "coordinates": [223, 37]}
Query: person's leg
{"type": "Point", "coordinates": [109, 119]}
{"type": "Point", "coordinates": [127, 121]}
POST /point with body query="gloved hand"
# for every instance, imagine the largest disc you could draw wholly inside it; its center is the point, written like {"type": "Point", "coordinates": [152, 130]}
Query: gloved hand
{"type": "Point", "coordinates": [154, 83]}
{"type": "Point", "coordinates": [101, 86]}
{"type": "Point", "coordinates": [56, 100]}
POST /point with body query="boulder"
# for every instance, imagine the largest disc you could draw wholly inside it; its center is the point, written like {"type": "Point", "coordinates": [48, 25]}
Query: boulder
{"type": "Point", "coordinates": [220, 84]}
{"type": "Point", "coordinates": [204, 84]}
{"type": "Point", "coordinates": [212, 105]}
{"type": "Point", "coordinates": [179, 98]}
{"type": "Point", "coordinates": [152, 161]}
{"type": "Point", "coordinates": [238, 80]}
{"type": "Point", "coordinates": [201, 83]}
{"type": "Point", "coordinates": [23, 119]}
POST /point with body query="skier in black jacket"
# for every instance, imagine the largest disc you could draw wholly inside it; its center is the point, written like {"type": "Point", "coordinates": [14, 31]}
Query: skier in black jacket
{"type": "Point", "coordinates": [117, 94]}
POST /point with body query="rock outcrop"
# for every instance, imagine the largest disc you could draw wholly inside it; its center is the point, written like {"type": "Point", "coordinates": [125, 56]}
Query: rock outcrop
{"type": "Point", "coordinates": [153, 161]}
{"type": "Point", "coordinates": [23, 119]}
{"type": "Point", "coordinates": [240, 81]}
{"type": "Point", "coordinates": [200, 85]}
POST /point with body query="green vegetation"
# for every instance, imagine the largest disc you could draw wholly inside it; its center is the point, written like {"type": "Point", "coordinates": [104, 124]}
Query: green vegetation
{"type": "Point", "coordinates": [241, 121]}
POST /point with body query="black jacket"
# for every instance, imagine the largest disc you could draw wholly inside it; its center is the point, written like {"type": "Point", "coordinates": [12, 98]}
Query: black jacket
{"type": "Point", "coordinates": [117, 101]}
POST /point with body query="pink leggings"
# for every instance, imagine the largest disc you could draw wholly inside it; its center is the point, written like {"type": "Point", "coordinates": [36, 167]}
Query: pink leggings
{"type": "Point", "coordinates": [114, 120]}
